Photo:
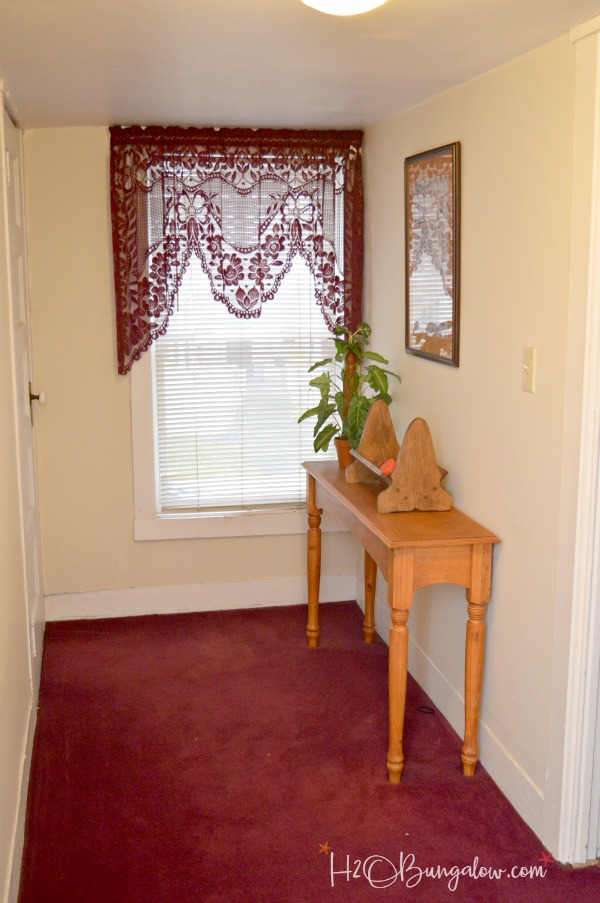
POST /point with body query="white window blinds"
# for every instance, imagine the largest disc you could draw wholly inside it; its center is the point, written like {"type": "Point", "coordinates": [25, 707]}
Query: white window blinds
{"type": "Point", "coordinates": [228, 394]}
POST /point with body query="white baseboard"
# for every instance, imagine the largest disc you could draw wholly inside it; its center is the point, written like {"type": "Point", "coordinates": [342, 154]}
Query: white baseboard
{"type": "Point", "coordinates": [154, 600]}
{"type": "Point", "coordinates": [19, 835]}
{"type": "Point", "coordinates": [505, 771]}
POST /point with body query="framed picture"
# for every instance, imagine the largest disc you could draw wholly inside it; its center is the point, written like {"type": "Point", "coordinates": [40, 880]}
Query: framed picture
{"type": "Point", "coordinates": [432, 223]}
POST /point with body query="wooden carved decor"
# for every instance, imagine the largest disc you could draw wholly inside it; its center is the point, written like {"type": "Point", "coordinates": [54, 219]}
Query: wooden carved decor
{"type": "Point", "coordinates": [378, 444]}
{"type": "Point", "coordinates": [415, 480]}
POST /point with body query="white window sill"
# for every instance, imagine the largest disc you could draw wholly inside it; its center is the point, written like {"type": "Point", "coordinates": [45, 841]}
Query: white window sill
{"type": "Point", "coordinates": [271, 523]}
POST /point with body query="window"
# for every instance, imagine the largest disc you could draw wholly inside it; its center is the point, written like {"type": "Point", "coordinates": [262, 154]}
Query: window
{"type": "Point", "coordinates": [215, 407]}
{"type": "Point", "coordinates": [266, 226]}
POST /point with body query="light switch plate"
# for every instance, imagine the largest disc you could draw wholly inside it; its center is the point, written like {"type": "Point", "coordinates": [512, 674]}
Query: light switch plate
{"type": "Point", "coordinates": [528, 383]}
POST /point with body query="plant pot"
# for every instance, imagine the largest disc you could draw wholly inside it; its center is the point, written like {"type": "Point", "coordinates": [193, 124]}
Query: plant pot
{"type": "Point", "coordinates": [342, 447]}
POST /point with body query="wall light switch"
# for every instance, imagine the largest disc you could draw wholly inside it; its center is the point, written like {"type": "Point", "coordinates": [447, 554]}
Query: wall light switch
{"type": "Point", "coordinates": [528, 370]}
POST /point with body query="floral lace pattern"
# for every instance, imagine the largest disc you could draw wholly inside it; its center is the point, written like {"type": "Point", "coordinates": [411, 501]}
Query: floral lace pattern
{"type": "Point", "coordinates": [429, 197]}
{"type": "Point", "coordinates": [246, 203]}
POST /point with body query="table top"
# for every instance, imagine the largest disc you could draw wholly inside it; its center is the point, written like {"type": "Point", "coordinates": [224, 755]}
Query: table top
{"type": "Point", "coordinates": [399, 530]}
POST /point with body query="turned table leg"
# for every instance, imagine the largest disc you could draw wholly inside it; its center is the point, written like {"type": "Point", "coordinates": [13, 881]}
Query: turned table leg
{"type": "Point", "coordinates": [370, 586]}
{"type": "Point", "coordinates": [400, 592]}
{"type": "Point", "coordinates": [477, 597]}
{"type": "Point", "coordinates": [398, 664]}
{"type": "Point", "coordinates": [313, 548]}
{"type": "Point", "coordinates": [474, 653]}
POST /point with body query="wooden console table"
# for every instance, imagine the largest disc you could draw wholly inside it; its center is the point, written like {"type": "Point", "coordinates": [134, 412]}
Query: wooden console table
{"type": "Point", "coordinates": [413, 549]}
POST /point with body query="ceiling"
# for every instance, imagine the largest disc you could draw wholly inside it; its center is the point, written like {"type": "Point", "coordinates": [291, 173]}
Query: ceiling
{"type": "Point", "coordinates": [256, 62]}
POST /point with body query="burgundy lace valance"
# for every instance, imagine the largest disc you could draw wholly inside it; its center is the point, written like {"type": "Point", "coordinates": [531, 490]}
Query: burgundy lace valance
{"type": "Point", "coordinates": [246, 203]}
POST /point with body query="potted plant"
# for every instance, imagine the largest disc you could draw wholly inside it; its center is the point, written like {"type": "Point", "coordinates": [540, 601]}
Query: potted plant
{"type": "Point", "coordinates": [350, 382]}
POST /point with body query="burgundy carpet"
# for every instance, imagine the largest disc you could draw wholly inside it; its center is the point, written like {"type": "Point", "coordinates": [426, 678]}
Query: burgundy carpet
{"type": "Point", "coordinates": [214, 758]}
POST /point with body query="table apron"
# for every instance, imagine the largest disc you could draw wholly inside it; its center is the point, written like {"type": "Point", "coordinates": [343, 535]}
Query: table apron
{"type": "Point", "coordinates": [443, 564]}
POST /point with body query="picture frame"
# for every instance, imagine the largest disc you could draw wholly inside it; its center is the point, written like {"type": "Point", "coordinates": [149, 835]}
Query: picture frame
{"type": "Point", "coordinates": [432, 246]}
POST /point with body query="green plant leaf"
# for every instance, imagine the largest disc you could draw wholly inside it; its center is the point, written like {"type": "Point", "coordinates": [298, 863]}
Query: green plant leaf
{"type": "Point", "coordinates": [339, 402]}
{"type": "Point", "coordinates": [322, 383]}
{"type": "Point", "coordinates": [325, 411]}
{"type": "Point", "coordinates": [373, 356]}
{"type": "Point", "coordinates": [323, 363]}
{"type": "Point", "coordinates": [377, 379]}
{"type": "Point", "coordinates": [357, 414]}
{"type": "Point", "coordinates": [364, 329]}
{"type": "Point", "coordinates": [321, 442]}
{"type": "Point", "coordinates": [310, 413]}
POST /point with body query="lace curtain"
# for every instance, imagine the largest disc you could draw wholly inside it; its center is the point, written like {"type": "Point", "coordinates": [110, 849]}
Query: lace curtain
{"type": "Point", "coordinates": [246, 203]}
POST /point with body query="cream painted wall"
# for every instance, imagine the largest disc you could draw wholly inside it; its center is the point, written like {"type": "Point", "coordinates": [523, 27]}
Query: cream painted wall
{"type": "Point", "coordinates": [84, 430]}
{"type": "Point", "coordinates": [16, 693]}
{"type": "Point", "coordinates": [503, 447]}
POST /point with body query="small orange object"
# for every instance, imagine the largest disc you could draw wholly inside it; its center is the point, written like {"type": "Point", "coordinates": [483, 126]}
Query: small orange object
{"type": "Point", "coordinates": [388, 466]}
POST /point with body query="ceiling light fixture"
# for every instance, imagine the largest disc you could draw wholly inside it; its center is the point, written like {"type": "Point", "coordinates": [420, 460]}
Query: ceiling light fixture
{"type": "Point", "coordinates": [344, 7]}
